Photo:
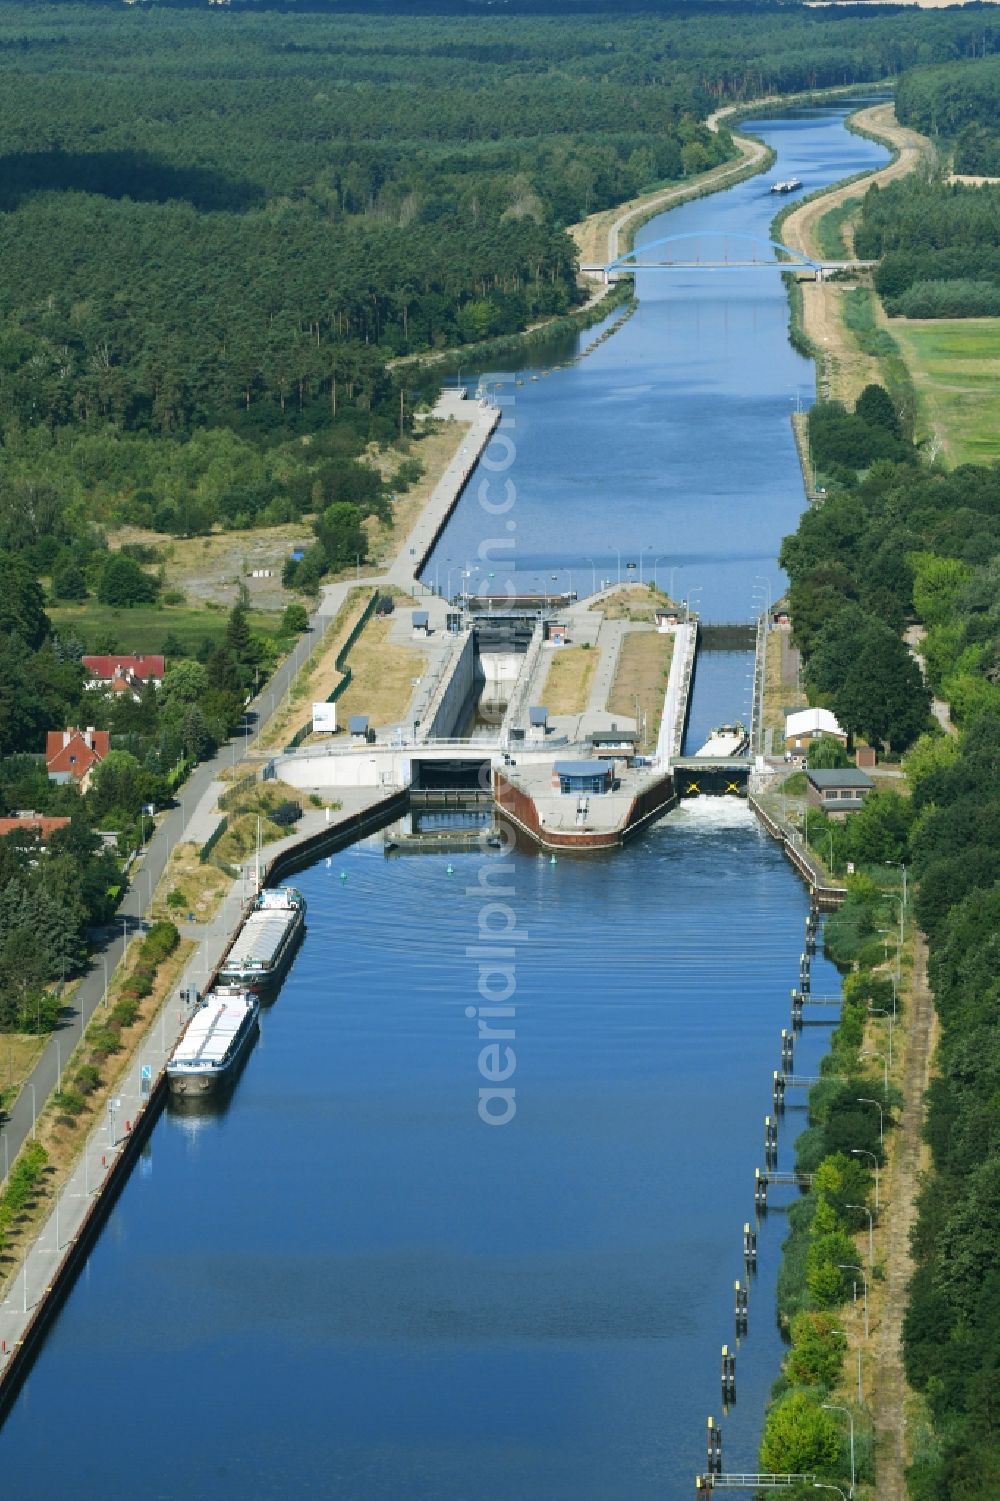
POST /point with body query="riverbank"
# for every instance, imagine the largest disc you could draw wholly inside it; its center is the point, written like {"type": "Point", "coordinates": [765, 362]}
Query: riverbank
{"type": "Point", "coordinates": [833, 320]}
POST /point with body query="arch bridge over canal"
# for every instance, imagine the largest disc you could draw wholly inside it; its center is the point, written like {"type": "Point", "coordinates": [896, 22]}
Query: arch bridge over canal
{"type": "Point", "coordinates": [719, 250]}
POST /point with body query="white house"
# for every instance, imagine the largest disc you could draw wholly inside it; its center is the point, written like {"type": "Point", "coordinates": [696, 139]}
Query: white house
{"type": "Point", "coordinates": [803, 726]}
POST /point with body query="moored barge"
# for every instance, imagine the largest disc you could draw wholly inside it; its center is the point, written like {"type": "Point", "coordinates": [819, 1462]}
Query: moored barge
{"type": "Point", "coordinates": [263, 948]}
{"type": "Point", "coordinates": [213, 1043]}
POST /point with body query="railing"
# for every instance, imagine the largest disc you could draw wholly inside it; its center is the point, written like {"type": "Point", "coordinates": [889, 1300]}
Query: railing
{"type": "Point", "coordinates": [759, 678]}
{"type": "Point", "coordinates": [826, 895]}
{"type": "Point", "coordinates": [340, 662]}
{"type": "Point", "coordinates": [516, 704]}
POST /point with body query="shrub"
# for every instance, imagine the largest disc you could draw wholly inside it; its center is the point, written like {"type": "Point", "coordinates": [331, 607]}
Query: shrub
{"type": "Point", "coordinates": [105, 1040]}
{"type": "Point", "coordinates": [69, 1102]}
{"type": "Point", "coordinates": [125, 1011]}
{"type": "Point", "coordinates": [88, 1078]}
{"type": "Point", "coordinates": [177, 898]}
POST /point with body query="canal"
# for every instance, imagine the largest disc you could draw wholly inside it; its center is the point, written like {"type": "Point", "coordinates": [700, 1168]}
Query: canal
{"type": "Point", "coordinates": [346, 1285]}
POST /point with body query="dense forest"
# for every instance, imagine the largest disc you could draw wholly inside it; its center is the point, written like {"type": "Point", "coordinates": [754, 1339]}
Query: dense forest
{"type": "Point", "coordinates": [938, 243]}
{"type": "Point", "coordinates": [896, 542]}
{"type": "Point", "coordinates": [217, 228]}
{"type": "Point", "coordinates": [960, 105]}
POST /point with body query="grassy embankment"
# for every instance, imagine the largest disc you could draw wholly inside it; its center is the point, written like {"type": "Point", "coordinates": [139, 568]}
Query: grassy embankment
{"type": "Point", "coordinates": [837, 321]}
{"type": "Point", "coordinates": [642, 672]}
{"type": "Point", "coordinates": [89, 1078]}
{"type": "Point", "coordinates": [567, 682]}
{"type": "Point", "coordinates": [945, 372]}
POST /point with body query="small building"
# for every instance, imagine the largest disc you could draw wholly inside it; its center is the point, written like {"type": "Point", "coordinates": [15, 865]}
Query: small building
{"type": "Point", "coordinates": [780, 615]}
{"type": "Point", "coordinates": [71, 755]}
{"type": "Point", "coordinates": [538, 722]}
{"type": "Point", "coordinates": [357, 726]}
{"type": "Point", "coordinates": [37, 824]}
{"type": "Point", "coordinates": [420, 621]}
{"type": "Point", "coordinates": [865, 756]}
{"type": "Point", "coordinates": [615, 744]}
{"type": "Point", "coordinates": [123, 674]}
{"type": "Point", "coordinates": [838, 792]}
{"type": "Point", "coordinates": [583, 776]}
{"type": "Point", "coordinates": [556, 631]}
{"type": "Point", "coordinates": [803, 726]}
{"type": "Point", "coordinates": [667, 620]}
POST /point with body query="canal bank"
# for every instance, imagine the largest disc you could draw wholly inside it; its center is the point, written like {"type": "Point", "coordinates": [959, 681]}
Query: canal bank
{"type": "Point", "coordinates": [409, 1263]}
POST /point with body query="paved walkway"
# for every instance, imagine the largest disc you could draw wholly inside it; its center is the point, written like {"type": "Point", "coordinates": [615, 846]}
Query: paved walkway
{"type": "Point", "coordinates": [195, 814]}
{"type": "Point", "coordinates": [108, 1137]}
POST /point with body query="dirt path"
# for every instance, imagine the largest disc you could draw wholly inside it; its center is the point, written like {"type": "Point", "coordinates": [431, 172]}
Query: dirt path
{"type": "Point", "coordinates": [913, 636]}
{"type": "Point", "coordinates": [890, 1393]}
{"type": "Point", "coordinates": [599, 237]}
{"type": "Point", "coordinates": [844, 369]}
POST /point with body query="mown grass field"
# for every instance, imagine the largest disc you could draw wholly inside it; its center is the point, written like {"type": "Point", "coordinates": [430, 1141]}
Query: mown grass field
{"type": "Point", "coordinates": [955, 368]}
{"type": "Point", "coordinates": [144, 629]}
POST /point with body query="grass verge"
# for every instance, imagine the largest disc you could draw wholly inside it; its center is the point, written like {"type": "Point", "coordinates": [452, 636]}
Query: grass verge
{"type": "Point", "coordinates": [642, 672]}
{"type": "Point", "coordinates": [567, 682]}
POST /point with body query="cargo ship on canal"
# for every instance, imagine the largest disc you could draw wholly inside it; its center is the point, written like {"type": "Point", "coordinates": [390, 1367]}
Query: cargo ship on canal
{"type": "Point", "coordinates": [263, 948]}
{"type": "Point", "coordinates": [214, 1041]}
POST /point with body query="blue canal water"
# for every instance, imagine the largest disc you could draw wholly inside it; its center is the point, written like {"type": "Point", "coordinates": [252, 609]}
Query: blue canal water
{"type": "Point", "coordinates": [345, 1284]}
{"type": "Point", "coordinates": [670, 446]}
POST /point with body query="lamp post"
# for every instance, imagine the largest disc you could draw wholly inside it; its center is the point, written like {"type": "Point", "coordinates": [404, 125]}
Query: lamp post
{"type": "Point", "coordinates": [618, 551]}
{"type": "Point", "coordinates": [848, 1266]}
{"type": "Point", "coordinates": [687, 603]}
{"type": "Point", "coordinates": [821, 1485]}
{"type": "Point", "coordinates": [593, 574]}
{"type": "Point", "coordinates": [656, 564]}
{"type": "Point", "coordinates": [871, 1233]}
{"type": "Point", "coordinates": [880, 1011]}
{"type": "Point", "coordinates": [861, 1152]}
{"type": "Point", "coordinates": [860, 1100]}
{"type": "Point", "coordinates": [834, 1407]}
{"type": "Point", "coordinates": [885, 1069]}
{"type": "Point", "coordinates": [844, 1336]}
{"type": "Point", "coordinates": [900, 865]}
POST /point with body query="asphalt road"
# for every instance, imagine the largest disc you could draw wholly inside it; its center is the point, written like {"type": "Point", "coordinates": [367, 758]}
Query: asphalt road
{"type": "Point", "coordinates": [145, 877]}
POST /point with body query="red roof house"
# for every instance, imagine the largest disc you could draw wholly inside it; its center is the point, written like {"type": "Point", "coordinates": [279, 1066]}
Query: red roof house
{"type": "Point", "coordinates": [75, 753]}
{"type": "Point", "coordinates": [123, 674]}
{"type": "Point", "coordinates": [34, 823]}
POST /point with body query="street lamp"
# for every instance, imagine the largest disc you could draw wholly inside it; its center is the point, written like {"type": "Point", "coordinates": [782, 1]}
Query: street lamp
{"type": "Point", "coordinates": [593, 574]}
{"type": "Point", "coordinates": [821, 1485]}
{"type": "Point", "coordinates": [687, 603]}
{"type": "Point", "coordinates": [848, 1266]}
{"type": "Point", "coordinates": [618, 551]}
{"type": "Point", "coordinates": [844, 1336]}
{"type": "Point", "coordinates": [881, 1132]}
{"type": "Point", "coordinates": [656, 564]}
{"type": "Point", "coordinates": [834, 1407]}
{"type": "Point", "coordinates": [862, 1152]}
{"type": "Point", "coordinates": [885, 1069]}
{"type": "Point", "coordinates": [900, 865]}
{"type": "Point", "coordinates": [871, 1234]}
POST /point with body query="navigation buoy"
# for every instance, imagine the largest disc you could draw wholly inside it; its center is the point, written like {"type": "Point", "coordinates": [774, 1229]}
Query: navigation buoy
{"type": "Point", "coordinates": [552, 859]}
{"type": "Point", "coordinates": [451, 870]}
{"type": "Point", "coordinates": [343, 875]}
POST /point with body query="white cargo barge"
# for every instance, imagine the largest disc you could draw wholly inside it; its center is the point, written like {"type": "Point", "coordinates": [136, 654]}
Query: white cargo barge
{"type": "Point", "coordinates": [214, 1041]}
{"type": "Point", "coordinates": [725, 742]}
{"type": "Point", "coordinates": [787, 185]}
{"type": "Point", "coordinates": [263, 948]}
